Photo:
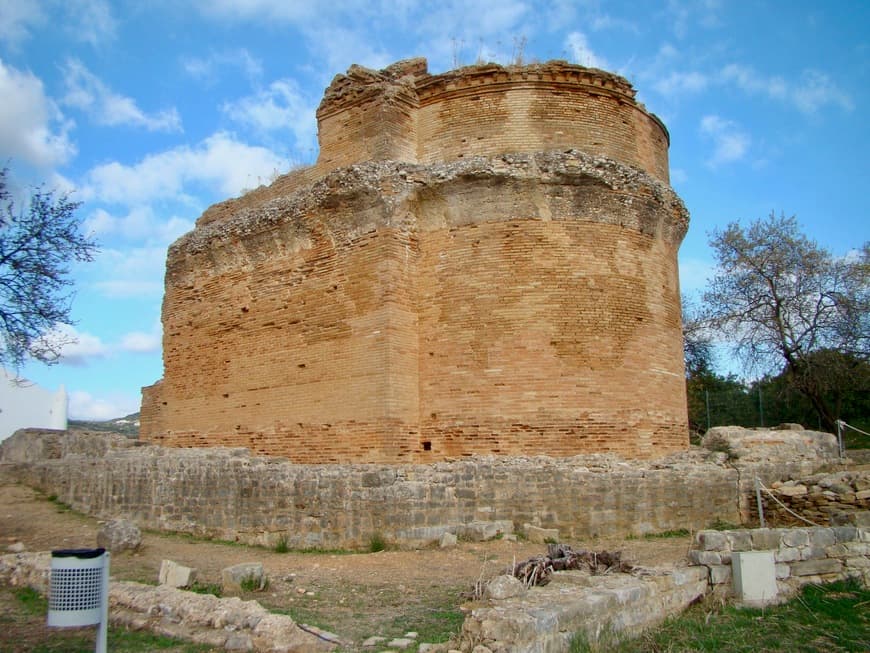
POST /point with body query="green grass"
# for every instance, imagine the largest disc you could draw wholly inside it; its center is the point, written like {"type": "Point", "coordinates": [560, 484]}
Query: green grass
{"type": "Point", "coordinates": [281, 546]}
{"type": "Point", "coordinates": [31, 601]}
{"type": "Point", "coordinates": [377, 543]}
{"type": "Point", "coordinates": [26, 613]}
{"type": "Point", "coordinates": [206, 588]}
{"type": "Point", "coordinates": [663, 535]}
{"type": "Point", "coordinates": [722, 525]}
{"type": "Point", "coordinates": [822, 618]}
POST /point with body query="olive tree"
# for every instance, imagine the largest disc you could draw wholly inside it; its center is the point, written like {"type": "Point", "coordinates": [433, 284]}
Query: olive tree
{"type": "Point", "coordinates": [780, 298]}
{"type": "Point", "coordinates": [38, 243]}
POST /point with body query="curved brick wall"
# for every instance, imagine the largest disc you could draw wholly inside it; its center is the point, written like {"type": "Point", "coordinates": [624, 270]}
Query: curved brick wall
{"type": "Point", "coordinates": [397, 312]}
{"type": "Point", "coordinates": [489, 110]}
{"type": "Point", "coordinates": [403, 113]}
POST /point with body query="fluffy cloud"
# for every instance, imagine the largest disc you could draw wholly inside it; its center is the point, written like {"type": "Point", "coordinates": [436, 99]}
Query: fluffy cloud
{"type": "Point", "coordinates": [678, 82]}
{"type": "Point", "coordinates": [17, 19]}
{"type": "Point", "coordinates": [207, 69]}
{"type": "Point", "coordinates": [730, 143]}
{"type": "Point", "coordinates": [75, 348]}
{"type": "Point", "coordinates": [32, 129]}
{"type": "Point", "coordinates": [83, 405]}
{"type": "Point", "coordinates": [135, 272]}
{"type": "Point", "coordinates": [813, 91]}
{"type": "Point", "coordinates": [279, 107]}
{"type": "Point", "coordinates": [581, 53]}
{"type": "Point", "coordinates": [140, 224]}
{"type": "Point", "coordinates": [87, 21]}
{"type": "Point", "coordinates": [87, 92]}
{"type": "Point", "coordinates": [220, 163]}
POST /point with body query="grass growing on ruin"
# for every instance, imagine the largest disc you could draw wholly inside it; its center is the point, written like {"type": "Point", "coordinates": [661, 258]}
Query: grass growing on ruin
{"type": "Point", "coordinates": [663, 535]}
{"type": "Point", "coordinates": [23, 615]}
{"type": "Point", "coordinates": [826, 618]}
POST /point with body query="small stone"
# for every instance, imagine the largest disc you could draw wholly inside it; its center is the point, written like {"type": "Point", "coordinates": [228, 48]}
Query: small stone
{"type": "Point", "coordinates": [16, 547]}
{"type": "Point", "coordinates": [480, 648]}
{"type": "Point", "coordinates": [244, 572]}
{"type": "Point", "coordinates": [412, 635]}
{"type": "Point", "coordinates": [371, 642]}
{"type": "Point", "coordinates": [504, 587]}
{"type": "Point", "coordinates": [239, 642]}
{"type": "Point", "coordinates": [401, 643]}
{"type": "Point", "coordinates": [176, 575]}
{"type": "Point", "coordinates": [540, 535]}
{"type": "Point", "coordinates": [119, 535]}
{"type": "Point", "coordinates": [448, 540]}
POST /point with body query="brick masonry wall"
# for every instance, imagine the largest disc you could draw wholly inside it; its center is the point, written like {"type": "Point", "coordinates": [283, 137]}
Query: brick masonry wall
{"type": "Point", "coordinates": [397, 312]}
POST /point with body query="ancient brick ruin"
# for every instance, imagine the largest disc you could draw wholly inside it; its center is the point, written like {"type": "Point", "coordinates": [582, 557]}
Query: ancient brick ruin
{"type": "Point", "coordinates": [480, 262]}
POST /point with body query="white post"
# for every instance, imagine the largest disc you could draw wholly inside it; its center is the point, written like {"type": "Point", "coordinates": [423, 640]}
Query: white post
{"type": "Point", "coordinates": [840, 443]}
{"type": "Point", "coordinates": [103, 632]}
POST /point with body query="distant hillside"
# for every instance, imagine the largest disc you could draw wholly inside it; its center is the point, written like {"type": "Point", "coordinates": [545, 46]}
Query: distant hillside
{"type": "Point", "coordinates": [128, 425]}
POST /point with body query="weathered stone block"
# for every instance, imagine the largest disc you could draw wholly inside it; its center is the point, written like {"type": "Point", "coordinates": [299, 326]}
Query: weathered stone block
{"type": "Point", "coordinates": [795, 537]}
{"type": "Point", "coordinates": [708, 558]}
{"type": "Point", "coordinates": [739, 540]}
{"type": "Point", "coordinates": [540, 535]}
{"type": "Point", "coordinates": [766, 539]}
{"type": "Point", "coordinates": [720, 574]}
{"type": "Point", "coordinates": [119, 535]}
{"type": "Point", "coordinates": [250, 574]}
{"type": "Point", "coordinates": [816, 567]}
{"type": "Point", "coordinates": [504, 587]}
{"type": "Point", "coordinates": [711, 540]}
{"type": "Point", "coordinates": [862, 562]}
{"type": "Point", "coordinates": [176, 575]}
{"type": "Point", "coordinates": [787, 554]}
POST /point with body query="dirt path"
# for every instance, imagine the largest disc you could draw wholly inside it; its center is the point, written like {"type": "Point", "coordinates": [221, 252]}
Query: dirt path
{"type": "Point", "coordinates": [355, 595]}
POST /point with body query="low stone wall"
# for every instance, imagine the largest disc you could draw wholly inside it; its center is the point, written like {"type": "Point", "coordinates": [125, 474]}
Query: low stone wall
{"type": "Point", "coordinates": [227, 623]}
{"type": "Point", "coordinates": [229, 494]}
{"type": "Point", "coordinates": [802, 555]}
{"type": "Point", "coordinates": [546, 619]}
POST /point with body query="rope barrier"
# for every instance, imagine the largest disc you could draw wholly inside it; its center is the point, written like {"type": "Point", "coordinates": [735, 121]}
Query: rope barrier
{"type": "Point", "coordinates": [783, 506]}
{"type": "Point", "coordinates": [842, 423]}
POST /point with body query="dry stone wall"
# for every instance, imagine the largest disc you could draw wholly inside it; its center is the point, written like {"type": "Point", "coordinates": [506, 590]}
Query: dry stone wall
{"type": "Point", "coordinates": [229, 494]}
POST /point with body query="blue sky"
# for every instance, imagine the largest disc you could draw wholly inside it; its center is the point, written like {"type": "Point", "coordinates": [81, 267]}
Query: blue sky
{"type": "Point", "coordinates": [148, 112]}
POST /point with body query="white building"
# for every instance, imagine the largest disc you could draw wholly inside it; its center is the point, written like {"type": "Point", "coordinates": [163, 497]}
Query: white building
{"type": "Point", "coordinates": [25, 405]}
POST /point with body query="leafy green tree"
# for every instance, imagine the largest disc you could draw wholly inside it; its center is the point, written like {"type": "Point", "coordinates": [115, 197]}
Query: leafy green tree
{"type": "Point", "coordinates": [782, 299]}
{"type": "Point", "coordinates": [37, 245]}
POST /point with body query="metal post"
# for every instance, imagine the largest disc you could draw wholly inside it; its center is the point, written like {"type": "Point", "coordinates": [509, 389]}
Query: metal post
{"type": "Point", "coordinates": [707, 402]}
{"type": "Point", "coordinates": [103, 632]}
{"type": "Point", "coordinates": [840, 443]}
{"type": "Point", "coordinates": [758, 499]}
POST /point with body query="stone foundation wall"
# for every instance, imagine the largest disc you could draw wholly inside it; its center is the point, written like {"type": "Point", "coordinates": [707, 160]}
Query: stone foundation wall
{"type": "Point", "coordinates": [229, 494]}
{"type": "Point", "coordinates": [802, 555]}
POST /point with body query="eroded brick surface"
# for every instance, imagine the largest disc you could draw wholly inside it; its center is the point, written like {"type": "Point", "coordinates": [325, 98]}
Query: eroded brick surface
{"type": "Point", "coordinates": [442, 283]}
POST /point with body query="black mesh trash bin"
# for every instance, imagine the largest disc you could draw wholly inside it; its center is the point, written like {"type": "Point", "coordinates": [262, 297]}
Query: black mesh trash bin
{"type": "Point", "coordinates": [79, 590]}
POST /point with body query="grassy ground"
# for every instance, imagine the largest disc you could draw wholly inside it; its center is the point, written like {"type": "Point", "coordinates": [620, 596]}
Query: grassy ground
{"type": "Point", "coordinates": [829, 619]}
{"type": "Point", "coordinates": [22, 620]}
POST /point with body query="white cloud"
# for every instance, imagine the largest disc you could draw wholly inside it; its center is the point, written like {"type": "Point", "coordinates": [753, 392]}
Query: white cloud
{"type": "Point", "coordinates": [207, 69]}
{"type": "Point", "coordinates": [75, 348]}
{"type": "Point", "coordinates": [17, 19]}
{"type": "Point", "coordinates": [90, 21]}
{"type": "Point", "coordinates": [581, 53]}
{"type": "Point", "coordinates": [730, 143]}
{"type": "Point", "coordinates": [139, 224]}
{"type": "Point", "coordinates": [87, 92]}
{"type": "Point", "coordinates": [87, 21]}
{"type": "Point", "coordinates": [136, 272]}
{"type": "Point", "coordinates": [677, 82]}
{"type": "Point", "coordinates": [141, 343]}
{"type": "Point", "coordinates": [816, 89]}
{"type": "Point", "coordinates": [83, 405]}
{"type": "Point", "coordinates": [221, 163]}
{"type": "Point", "coordinates": [279, 107]}
{"type": "Point", "coordinates": [813, 91]}
{"type": "Point", "coordinates": [32, 129]}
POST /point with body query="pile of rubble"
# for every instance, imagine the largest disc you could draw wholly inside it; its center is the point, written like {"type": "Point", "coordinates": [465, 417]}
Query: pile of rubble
{"type": "Point", "coordinates": [838, 498]}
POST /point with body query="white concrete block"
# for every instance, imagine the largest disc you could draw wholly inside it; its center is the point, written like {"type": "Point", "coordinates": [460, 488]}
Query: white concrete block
{"type": "Point", "coordinates": [754, 574]}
